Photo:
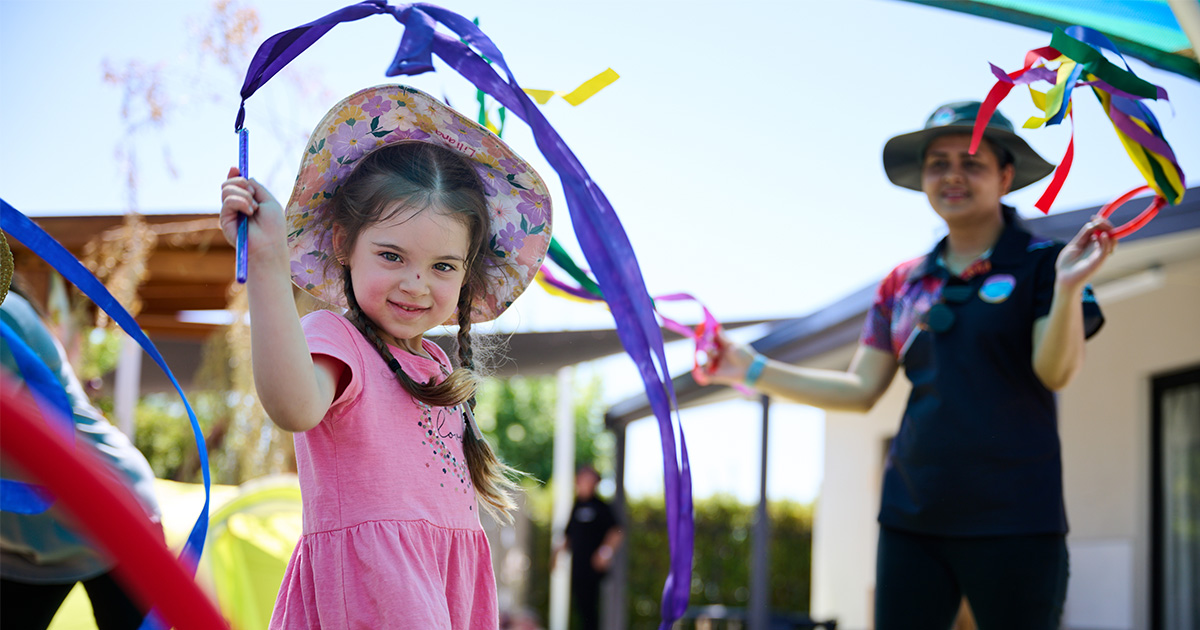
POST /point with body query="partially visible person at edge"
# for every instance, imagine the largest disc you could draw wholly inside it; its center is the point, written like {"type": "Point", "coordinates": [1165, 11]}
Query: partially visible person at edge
{"type": "Point", "coordinates": [987, 326]}
{"type": "Point", "coordinates": [43, 556]}
{"type": "Point", "coordinates": [593, 535]}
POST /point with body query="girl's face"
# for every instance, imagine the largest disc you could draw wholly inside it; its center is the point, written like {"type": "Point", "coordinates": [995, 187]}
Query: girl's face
{"type": "Point", "coordinates": [408, 272]}
{"type": "Point", "coordinates": [963, 188]}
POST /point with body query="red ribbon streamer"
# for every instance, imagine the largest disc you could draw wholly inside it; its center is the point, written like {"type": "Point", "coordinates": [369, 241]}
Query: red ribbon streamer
{"type": "Point", "coordinates": [1060, 172]}
{"type": "Point", "coordinates": [107, 511]}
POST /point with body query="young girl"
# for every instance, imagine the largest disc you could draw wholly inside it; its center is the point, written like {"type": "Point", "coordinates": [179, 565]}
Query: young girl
{"type": "Point", "coordinates": [408, 216]}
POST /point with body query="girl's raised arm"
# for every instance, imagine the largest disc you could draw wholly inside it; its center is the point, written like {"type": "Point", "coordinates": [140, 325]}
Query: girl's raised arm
{"type": "Point", "coordinates": [295, 390]}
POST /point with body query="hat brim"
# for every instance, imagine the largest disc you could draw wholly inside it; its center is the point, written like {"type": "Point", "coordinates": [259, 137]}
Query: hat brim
{"type": "Point", "coordinates": [517, 198]}
{"type": "Point", "coordinates": [902, 155]}
{"type": "Point", "coordinates": [6, 267]}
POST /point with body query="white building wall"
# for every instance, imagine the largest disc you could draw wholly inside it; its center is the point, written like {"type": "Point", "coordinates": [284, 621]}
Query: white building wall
{"type": "Point", "coordinates": [844, 524]}
{"type": "Point", "coordinates": [1105, 426]}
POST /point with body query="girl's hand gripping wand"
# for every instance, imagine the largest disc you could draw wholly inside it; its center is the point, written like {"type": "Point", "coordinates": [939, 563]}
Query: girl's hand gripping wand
{"type": "Point", "coordinates": [243, 166]}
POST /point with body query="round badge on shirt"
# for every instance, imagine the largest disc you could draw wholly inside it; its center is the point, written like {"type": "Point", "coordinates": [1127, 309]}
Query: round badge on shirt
{"type": "Point", "coordinates": [997, 288]}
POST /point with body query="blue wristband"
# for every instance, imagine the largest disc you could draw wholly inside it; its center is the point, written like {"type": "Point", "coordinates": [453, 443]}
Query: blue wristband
{"type": "Point", "coordinates": [755, 370]}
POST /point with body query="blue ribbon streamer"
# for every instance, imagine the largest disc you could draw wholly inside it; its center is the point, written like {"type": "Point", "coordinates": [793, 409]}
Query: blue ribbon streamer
{"type": "Point", "coordinates": [1122, 101]}
{"type": "Point", "coordinates": [599, 231]}
{"type": "Point", "coordinates": [1068, 87]}
{"type": "Point", "coordinates": [37, 240]}
{"type": "Point", "coordinates": [51, 398]}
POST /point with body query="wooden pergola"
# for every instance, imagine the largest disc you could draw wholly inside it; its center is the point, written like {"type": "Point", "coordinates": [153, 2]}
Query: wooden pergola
{"type": "Point", "coordinates": [190, 267]}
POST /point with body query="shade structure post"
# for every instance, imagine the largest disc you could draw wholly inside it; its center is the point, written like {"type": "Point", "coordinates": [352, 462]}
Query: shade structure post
{"type": "Point", "coordinates": [760, 597]}
{"type": "Point", "coordinates": [563, 473]}
{"type": "Point", "coordinates": [615, 593]}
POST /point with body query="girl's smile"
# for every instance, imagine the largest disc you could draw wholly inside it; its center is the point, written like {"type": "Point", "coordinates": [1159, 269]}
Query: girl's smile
{"type": "Point", "coordinates": [407, 273]}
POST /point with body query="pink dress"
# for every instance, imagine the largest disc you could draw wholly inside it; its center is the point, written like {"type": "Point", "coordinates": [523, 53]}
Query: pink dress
{"type": "Point", "coordinates": [391, 526]}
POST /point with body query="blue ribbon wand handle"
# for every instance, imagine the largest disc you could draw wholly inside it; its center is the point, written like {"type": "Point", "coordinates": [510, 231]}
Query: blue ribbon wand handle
{"type": "Point", "coordinates": [243, 169]}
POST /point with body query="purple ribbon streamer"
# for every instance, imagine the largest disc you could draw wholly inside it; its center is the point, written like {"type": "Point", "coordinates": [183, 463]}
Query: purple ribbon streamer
{"type": "Point", "coordinates": [1148, 141]}
{"type": "Point", "coordinates": [1099, 83]}
{"type": "Point", "coordinates": [281, 48]}
{"type": "Point", "coordinates": [1134, 108]}
{"type": "Point", "coordinates": [599, 231]}
{"type": "Point", "coordinates": [573, 291]}
{"type": "Point", "coordinates": [1032, 75]}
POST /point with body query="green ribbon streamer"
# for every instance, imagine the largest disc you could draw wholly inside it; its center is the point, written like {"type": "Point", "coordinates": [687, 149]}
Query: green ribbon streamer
{"type": "Point", "coordinates": [560, 258]}
{"type": "Point", "coordinates": [1094, 62]}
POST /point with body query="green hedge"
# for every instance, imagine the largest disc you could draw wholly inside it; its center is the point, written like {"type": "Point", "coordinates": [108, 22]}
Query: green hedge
{"type": "Point", "coordinates": [721, 565]}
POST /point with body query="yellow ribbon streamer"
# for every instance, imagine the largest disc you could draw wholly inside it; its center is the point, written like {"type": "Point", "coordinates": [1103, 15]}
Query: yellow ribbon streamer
{"type": "Point", "coordinates": [557, 292]}
{"type": "Point", "coordinates": [1141, 157]}
{"type": "Point", "coordinates": [586, 90]}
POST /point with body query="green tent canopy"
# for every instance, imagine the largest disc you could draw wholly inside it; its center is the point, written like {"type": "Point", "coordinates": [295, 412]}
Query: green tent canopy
{"type": "Point", "coordinates": [1145, 29]}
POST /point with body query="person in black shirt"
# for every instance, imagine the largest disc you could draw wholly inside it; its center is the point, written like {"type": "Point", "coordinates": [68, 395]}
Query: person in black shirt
{"type": "Point", "coordinates": [592, 535]}
{"type": "Point", "coordinates": [986, 326]}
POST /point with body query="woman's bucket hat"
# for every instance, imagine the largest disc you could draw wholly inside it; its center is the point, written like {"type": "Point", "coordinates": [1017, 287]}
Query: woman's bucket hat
{"type": "Point", "coordinates": [903, 155]}
{"type": "Point", "coordinates": [517, 198]}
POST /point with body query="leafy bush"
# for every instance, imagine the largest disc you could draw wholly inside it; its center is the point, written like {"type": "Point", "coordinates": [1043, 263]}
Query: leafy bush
{"type": "Point", "coordinates": [721, 564]}
{"type": "Point", "coordinates": [517, 415]}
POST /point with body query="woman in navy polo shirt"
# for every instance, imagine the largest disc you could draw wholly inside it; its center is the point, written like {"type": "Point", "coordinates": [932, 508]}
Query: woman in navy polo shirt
{"type": "Point", "coordinates": [986, 326]}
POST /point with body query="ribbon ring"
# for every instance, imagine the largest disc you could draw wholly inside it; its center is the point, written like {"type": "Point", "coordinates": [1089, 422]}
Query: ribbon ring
{"type": "Point", "coordinates": [1140, 220]}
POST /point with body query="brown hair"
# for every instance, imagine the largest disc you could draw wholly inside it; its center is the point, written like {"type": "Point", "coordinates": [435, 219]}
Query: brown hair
{"type": "Point", "coordinates": [428, 177]}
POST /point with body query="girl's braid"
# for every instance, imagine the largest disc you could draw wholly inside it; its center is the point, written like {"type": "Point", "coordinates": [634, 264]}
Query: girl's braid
{"type": "Point", "coordinates": [492, 478]}
{"type": "Point", "coordinates": [466, 355]}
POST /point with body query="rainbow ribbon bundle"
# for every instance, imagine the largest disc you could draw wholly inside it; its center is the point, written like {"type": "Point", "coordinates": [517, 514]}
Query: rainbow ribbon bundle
{"type": "Point", "coordinates": [472, 54]}
{"type": "Point", "coordinates": [1078, 51]}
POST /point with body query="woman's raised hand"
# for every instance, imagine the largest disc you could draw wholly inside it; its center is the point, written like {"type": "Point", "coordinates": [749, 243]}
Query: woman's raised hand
{"type": "Point", "coordinates": [1080, 259]}
{"type": "Point", "coordinates": [724, 365]}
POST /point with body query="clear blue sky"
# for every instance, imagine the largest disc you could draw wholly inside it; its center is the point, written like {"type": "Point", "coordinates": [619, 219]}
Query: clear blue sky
{"type": "Point", "coordinates": [741, 146]}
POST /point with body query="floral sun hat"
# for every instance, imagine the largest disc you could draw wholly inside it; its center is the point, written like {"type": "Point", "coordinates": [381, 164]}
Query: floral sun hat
{"type": "Point", "coordinates": [517, 198]}
{"type": "Point", "coordinates": [6, 267]}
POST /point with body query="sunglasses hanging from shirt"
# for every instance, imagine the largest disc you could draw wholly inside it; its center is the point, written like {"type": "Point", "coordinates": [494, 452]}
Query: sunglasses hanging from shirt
{"type": "Point", "coordinates": [940, 317]}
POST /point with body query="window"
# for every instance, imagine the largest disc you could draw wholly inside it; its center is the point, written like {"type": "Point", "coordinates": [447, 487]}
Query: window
{"type": "Point", "coordinates": [1176, 500]}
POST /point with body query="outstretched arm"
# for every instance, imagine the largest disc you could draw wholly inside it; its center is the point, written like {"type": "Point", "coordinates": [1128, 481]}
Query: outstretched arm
{"type": "Point", "coordinates": [294, 389]}
{"type": "Point", "coordinates": [857, 389]}
{"type": "Point", "coordinates": [1058, 338]}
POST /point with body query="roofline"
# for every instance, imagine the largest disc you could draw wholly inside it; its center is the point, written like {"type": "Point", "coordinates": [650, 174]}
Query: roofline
{"type": "Point", "coordinates": [826, 329]}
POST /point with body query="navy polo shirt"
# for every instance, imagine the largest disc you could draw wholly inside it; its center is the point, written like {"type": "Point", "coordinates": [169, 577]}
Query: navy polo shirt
{"type": "Point", "coordinates": [977, 452]}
